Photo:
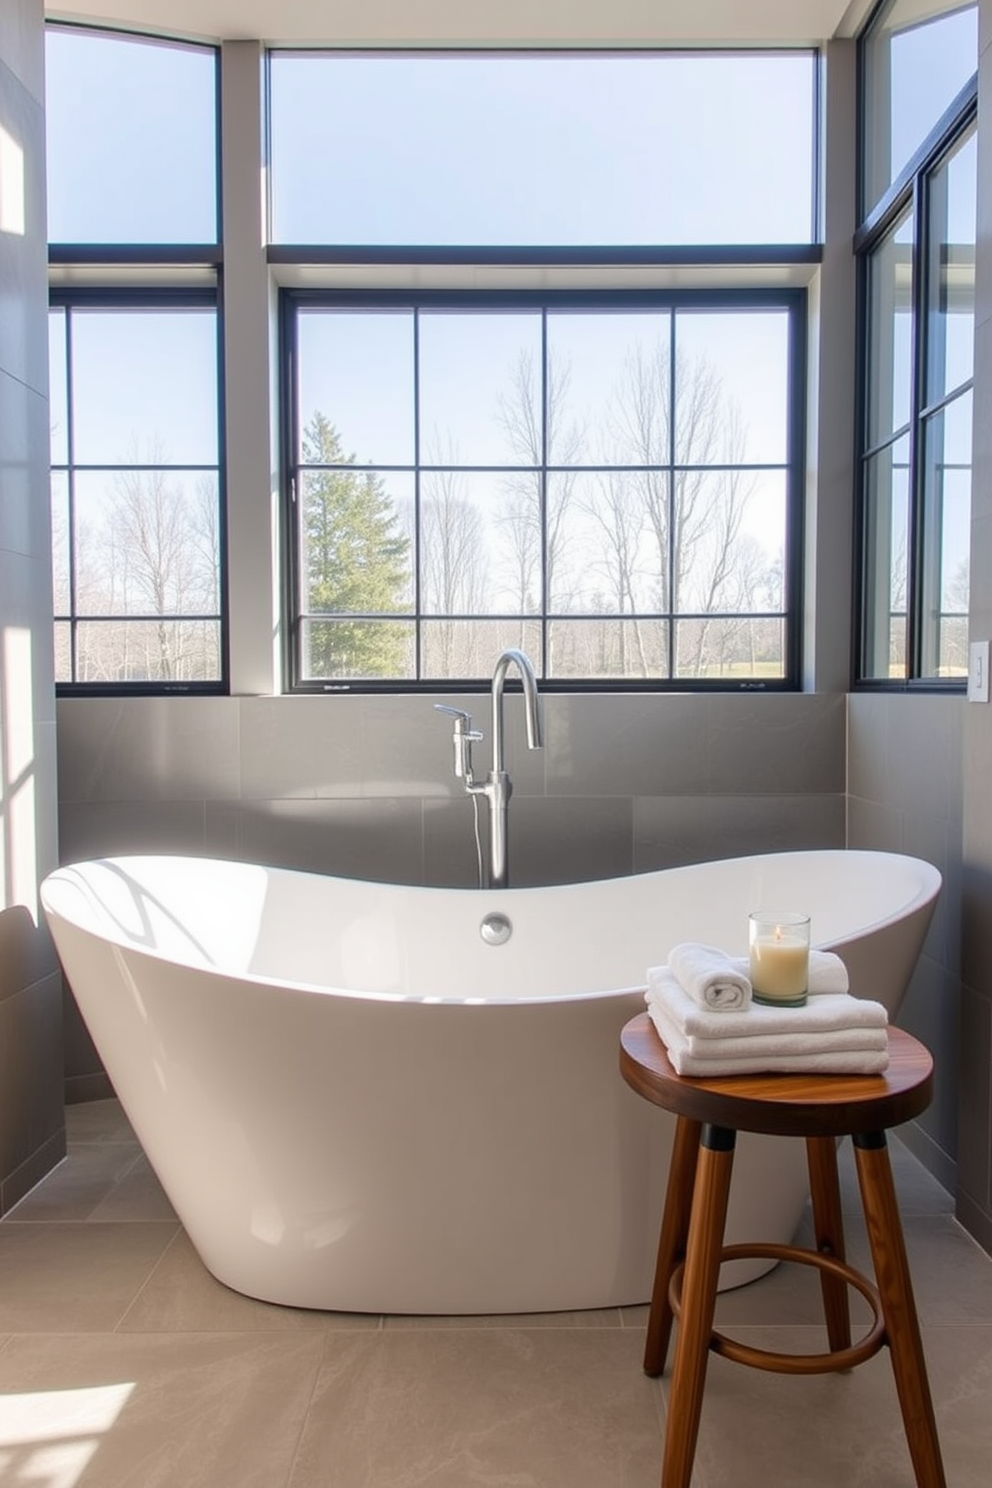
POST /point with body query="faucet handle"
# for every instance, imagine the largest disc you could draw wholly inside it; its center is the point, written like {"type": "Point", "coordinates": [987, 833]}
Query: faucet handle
{"type": "Point", "coordinates": [464, 737]}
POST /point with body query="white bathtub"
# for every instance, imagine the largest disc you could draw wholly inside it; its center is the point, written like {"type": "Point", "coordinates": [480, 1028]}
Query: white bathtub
{"type": "Point", "coordinates": [354, 1103]}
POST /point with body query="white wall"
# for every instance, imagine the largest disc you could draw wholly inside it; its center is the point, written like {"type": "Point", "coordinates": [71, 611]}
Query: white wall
{"type": "Point", "coordinates": [31, 1119]}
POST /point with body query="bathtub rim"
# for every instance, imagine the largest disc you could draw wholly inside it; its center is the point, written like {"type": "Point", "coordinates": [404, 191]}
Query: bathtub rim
{"type": "Point", "coordinates": [927, 891]}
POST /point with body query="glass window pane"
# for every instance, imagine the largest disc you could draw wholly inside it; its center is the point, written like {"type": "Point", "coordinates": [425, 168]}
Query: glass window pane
{"type": "Point", "coordinates": [166, 651]}
{"type": "Point", "coordinates": [479, 543]}
{"type": "Point", "coordinates": [478, 387]}
{"type": "Point", "coordinates": [147, 542]}
{"type": "Point", "coordinates": [359, 650]}
{"type": "Point", "coordinates": [607, 649]}
{"type": "Point", "coordinates": [60, 543]}
{"type": "Point", "coordinates": [731, 387]}
{"type": "Point", "coordinates": [470, 648]}
{"type": "Point", "coordinates": [886, 561]}
{"type": "Point", "coordinates": [356, 372]}
{"type": "Point", "coordinates": [609, 388]}
{"type": "Point", "coordinates": [729, 549]}
{"type": "Point", "coordinates": [448, 151]}
{"type": "Point", "coordinates": [58, 383]}
{"type": "Point", "coordinates": [917, 59]}
{"type": "Point", "coordinates": [131, 129]}
{"type": "Point", "coordinates": [947, 526]}
{"type": "Point", "coordinates": [356, 542]}
{"type": "Point", "coordinates": [144, 387]}
{"type": "Point", "coordinates": [63, 652]}
{"type": "Point", "coordinates": [609, 560]}
{"type": "Point", "coordinates": [951, 281]}
{"type": "Point", "coordinates": [890, 333]}
{"type": "Point", "coordinates": [727, 649]}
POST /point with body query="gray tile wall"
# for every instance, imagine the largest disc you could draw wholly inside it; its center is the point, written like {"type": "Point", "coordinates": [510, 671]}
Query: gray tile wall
{"type": "Point", "coordinates": [974, 1198]}
{"type": "Point", "coordinates": [32, 1132]}
{"type": "Point", "coordinates": [362, 786]}
{"type": "Point", "coordinates": [905, 795]}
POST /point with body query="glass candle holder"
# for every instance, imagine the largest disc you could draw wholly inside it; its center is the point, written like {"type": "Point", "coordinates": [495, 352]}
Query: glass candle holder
{"type": "Point", "coordinates": [778, 945]}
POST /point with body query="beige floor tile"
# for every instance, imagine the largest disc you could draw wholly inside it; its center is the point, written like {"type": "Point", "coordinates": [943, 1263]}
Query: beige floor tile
{"type": "Point", "coordinates": [74, 1277]}
{"type": "Point", "coordinates": [917, 1190]}
{"type": "Point", "coordinates": [601, 1317]}
{"type": "Point", "coordinates": [181, 1296]}
{"type": "Point", "coordinates": [824, 1431]}
{"type": "Point", "coordinates": [74, 1189]}
{"type": "Point", "coordinates": [115, 1412]}
{"type": "Point", "coordinates": [137, 1197]}
{"type": "Point", "coordinates": [98, 1121]}
{"type": "Point", "coordinates": [540, 1408]}
{"type": "Point", "coordinates": [951, 1274]}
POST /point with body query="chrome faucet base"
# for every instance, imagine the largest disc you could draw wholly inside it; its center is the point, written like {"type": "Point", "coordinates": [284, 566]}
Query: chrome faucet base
{"type": "Point", "coordinates": [497, 787]}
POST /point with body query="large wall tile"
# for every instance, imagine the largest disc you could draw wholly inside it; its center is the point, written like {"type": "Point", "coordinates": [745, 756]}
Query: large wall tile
{"type": "Point", "coordinates": [30, 1071]}
{"type": "Point", "coordinates": [111, 828]}
{"type": "Point", "coordinates": [145, 749]}
{"type": "Point", "coordinates": [557, 840]}
{"type": "Point", "coordinates": [22, 46]}
{"type": "Point", "coordinates": [25, 525]}
{"type": "Point", "coordinates": [23, 246]}
{"type": "Point", "coordinates": [375, 839]}
{"type": "Point", "coordinates": [671, 830]}
{"type": "Point", "coordinates": [975, 1129]}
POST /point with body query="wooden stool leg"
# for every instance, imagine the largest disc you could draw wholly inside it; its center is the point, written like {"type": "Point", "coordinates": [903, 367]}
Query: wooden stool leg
{"type": "Point", "coordinates": [672, 1241]}
{"type": "Point", "coordinates": [828, 1225]}
{"type": "Point", "coordinates": [699, 1283]}
{"type": "Point", "coordinates": [895, 1288]}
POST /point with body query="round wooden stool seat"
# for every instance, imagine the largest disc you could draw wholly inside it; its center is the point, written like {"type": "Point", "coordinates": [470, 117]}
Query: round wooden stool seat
{"type": "Point", "coordinates": [819, 1109]}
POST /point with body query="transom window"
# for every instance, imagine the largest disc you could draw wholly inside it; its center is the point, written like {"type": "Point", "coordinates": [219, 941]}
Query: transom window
{"type": "Point", "coordinates": [611, 484]}
{"type": "Point", "coordinates": [542, 148]}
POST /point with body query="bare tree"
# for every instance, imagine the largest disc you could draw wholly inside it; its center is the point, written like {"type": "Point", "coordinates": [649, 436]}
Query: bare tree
{"type": "Point", "coordinates": [452, 567]}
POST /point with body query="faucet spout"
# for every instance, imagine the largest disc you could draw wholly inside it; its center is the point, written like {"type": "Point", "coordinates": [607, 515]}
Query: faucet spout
{"type": "Point", "coordinates": [532, 709]}
{"type": "Point", "coordinates": [498, 787]}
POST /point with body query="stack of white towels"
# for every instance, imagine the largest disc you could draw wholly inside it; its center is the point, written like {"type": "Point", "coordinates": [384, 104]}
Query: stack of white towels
{"type": "Point", "coordinates": [702, 1006]}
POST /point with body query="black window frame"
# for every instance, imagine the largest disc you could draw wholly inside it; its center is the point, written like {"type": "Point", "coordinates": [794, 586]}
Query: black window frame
{"type": "Point", "coordinates": [119, 297]}
{"type": "Point", "coordinates": [791, 299]}
{"type": "Point", "coordinates": [909, 191]}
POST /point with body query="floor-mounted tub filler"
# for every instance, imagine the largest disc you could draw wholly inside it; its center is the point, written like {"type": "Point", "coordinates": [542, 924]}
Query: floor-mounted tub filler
{"type": "Point", "coordinates": [374, 1098]}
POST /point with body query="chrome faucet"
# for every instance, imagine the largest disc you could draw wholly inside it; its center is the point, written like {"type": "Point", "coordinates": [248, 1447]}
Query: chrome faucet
{"type": "Point", "coordinates": [497, 787]}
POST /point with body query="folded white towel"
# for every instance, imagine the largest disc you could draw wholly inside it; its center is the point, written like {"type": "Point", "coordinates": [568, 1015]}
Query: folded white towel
{"type": "Point", "coordinates": [821, 1014]}
{"type": "Point", "coordinates": [758, 1060]}
{"type": "Point", "coordinates": [710, 977]}
{"type": "Point", "coordinates": [797, 1041]}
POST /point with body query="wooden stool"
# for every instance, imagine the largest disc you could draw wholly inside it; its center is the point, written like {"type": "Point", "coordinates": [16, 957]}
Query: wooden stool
{"type": "Point", "coordinates": [819, 1108]}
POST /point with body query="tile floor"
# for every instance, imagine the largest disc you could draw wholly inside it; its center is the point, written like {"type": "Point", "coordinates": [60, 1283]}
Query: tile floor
{"type": "Point", "coordinates": [122, 1362]}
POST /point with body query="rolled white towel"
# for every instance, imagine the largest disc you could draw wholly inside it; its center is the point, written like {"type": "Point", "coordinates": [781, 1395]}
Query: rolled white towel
{"type": "Point", "coordinates": [822, 1014]}
{"type": "Point", "coordinates": [757, 1059]}
{"type": "Point", "coordinates": [710, 977]}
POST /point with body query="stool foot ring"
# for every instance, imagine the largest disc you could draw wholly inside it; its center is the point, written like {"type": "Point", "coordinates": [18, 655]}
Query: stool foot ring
{"type": "Point", "coordinates": [826, 1363]}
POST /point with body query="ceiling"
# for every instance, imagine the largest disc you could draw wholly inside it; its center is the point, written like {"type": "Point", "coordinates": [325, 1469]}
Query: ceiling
{"type": "Point", "coordinates": [481, 22]}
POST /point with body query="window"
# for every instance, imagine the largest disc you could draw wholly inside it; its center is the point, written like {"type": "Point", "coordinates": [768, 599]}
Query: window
{"type": "Point", "coordinates": [917, 253]}
{"type": "Point", "coordinates": [131, 130]}
{"type": "Point", "coordinates": [481, 455]}
{"type": "Point", "coordinates": [135, 490]}
{"type": "Point", "coordinates": [609, 483]}
{"type": "Point", "coordinates": [542, 148]}
{"type": "Point", "coordinates": [137, 474]}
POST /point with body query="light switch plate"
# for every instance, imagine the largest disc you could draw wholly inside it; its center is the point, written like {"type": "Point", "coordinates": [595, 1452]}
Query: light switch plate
{"type": "Point", "coordinates": [978, 672]}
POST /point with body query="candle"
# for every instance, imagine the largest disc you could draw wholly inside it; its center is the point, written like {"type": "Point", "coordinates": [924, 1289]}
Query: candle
{"type": "Point", "coordinates": [779, 958]}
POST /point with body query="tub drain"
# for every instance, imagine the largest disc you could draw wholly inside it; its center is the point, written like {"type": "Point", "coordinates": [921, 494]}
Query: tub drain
{"type": "Point", "coordinates": [495, 929]}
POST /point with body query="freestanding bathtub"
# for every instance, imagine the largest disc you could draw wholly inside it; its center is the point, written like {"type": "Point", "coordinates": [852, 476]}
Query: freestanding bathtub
{"type": "Point", "coordinates": [354, 1102]}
